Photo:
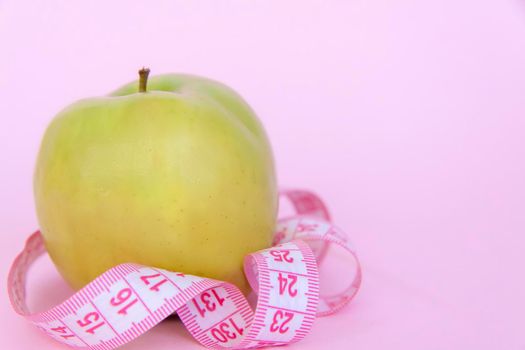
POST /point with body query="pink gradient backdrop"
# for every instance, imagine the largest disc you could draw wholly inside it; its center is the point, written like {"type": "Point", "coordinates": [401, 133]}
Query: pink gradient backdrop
{"type": "Point", "coordinates": [407, 116]}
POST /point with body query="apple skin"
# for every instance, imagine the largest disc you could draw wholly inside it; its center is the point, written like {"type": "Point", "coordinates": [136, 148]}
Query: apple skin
{"type": "Point", "coordinates": [180, 177]}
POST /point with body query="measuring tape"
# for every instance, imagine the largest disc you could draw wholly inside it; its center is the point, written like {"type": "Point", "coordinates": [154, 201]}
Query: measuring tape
{"type": "Point", "coordinates": [129, 299]}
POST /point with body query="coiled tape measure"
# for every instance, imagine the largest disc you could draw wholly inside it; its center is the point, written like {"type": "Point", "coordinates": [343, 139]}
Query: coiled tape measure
{"type": "Point", "coordinates": [129, 299]}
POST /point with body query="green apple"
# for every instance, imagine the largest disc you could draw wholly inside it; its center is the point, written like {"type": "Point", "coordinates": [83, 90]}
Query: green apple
{"type": "Point", "coordinates": [177, 174]}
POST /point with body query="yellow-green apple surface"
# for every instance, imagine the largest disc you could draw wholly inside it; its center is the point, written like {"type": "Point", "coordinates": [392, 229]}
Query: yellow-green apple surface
{"type": "Point", "coordinates": [175, 172]}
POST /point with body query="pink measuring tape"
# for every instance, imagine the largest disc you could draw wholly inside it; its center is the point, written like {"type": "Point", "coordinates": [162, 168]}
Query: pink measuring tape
{"type": "Point", "coordinates": [129, 299]}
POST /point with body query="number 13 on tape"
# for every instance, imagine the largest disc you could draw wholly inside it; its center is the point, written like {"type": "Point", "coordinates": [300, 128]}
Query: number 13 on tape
{"type": "Point", "coordinates": [129, 299]}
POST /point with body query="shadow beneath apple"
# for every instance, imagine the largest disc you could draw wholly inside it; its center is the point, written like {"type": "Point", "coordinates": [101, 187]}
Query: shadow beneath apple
{"type": "Point", "coordinates": [45, 287]}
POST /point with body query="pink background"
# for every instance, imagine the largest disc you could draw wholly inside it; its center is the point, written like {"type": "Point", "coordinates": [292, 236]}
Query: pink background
{"type": "Point", "coordinates": [407, 116]}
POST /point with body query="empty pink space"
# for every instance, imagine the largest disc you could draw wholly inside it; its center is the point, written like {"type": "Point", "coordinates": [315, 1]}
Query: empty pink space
{"type": "Point", "coordinates": [407, 117]}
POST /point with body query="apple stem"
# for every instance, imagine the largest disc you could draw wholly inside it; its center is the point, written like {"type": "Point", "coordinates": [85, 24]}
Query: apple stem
{"type": "Point", "coordinates": [143, 80]}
